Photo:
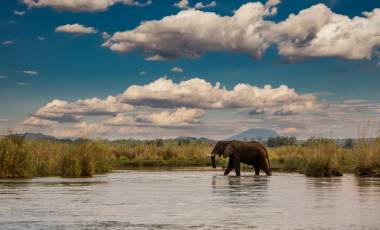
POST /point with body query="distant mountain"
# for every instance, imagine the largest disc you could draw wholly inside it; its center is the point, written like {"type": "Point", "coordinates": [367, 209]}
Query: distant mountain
{"type": "Point", "coordinates": [254, 133]}
{"type": "Point", "coordinates": [34, 136]}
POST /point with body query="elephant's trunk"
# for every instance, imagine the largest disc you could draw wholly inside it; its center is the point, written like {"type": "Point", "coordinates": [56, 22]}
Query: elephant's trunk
{"type": "Point", "coordinates": [213, 161]}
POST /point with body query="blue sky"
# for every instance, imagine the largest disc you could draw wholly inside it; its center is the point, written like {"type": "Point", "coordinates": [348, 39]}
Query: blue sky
{"type": "Point", "coordinates": [39, 64]}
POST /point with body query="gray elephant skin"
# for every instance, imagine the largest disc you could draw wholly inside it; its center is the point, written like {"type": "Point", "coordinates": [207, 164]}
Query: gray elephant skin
{"type": "Point", "coordinates": [251, 153]}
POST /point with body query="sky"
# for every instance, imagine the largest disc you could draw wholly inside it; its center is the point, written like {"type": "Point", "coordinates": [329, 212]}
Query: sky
{"type": "Point", "coordinates": [162, 69]}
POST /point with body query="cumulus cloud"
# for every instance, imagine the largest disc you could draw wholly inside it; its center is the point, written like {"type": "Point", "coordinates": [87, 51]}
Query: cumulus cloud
{"type": "Point", "coordinates": [37, 122]}
{"type": "Point", "coordinates": [165, 105]}
{"type": "Point", "coordinates": [120, 119]}
{"type": "Point", "coordinates": [177, 69]}
{"type": "Point", "coordinates": [29, 72]}
{"type": "Point", "coordinates": [82, 129]}
{"type": "Point", "coordinates": [184, 4]}
{"type": "Point", "coordinates": [81, 5]}
{"type": "Point", "coordinates": [270, 7]}
{"type": "Point", "coordinates": [201, 5]}
{"type": "Point", "coordinates": [198, 93]}
{"type": "Point", "coordinates": [192, 32]}
{"type": "Point", "coordinates": [180, 116]}
{"type": "Point", "coordinates": [75, 29]}
{"type": "Point", "coordinates": [319, 32]}
{"type": "Point", "coordinates": [63, 111]}
{"type": "Point", "coordinates": [313, 32]}
{"type": "Point", "coordinates": [19, 13]}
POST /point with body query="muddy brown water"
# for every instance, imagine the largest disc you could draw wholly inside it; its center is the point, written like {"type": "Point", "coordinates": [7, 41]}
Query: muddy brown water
{"type": "Point", "coordinates": [194, 199]}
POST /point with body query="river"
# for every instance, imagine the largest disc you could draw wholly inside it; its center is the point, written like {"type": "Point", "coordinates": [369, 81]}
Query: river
{"type": "Point", "coordinates": [190, 199]}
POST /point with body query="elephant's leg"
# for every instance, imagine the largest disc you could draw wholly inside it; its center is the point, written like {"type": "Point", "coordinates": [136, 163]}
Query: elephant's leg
{"type": "Point", "coordinates": [257, 170]}
{"type": "Point", "coordinates": [230, 166]}
{"type": "Point", "coordinates": [237, 164]}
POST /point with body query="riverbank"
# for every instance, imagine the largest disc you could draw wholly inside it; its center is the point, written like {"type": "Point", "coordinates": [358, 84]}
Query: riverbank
{"type": "Point", "coordinates": [21, 158]}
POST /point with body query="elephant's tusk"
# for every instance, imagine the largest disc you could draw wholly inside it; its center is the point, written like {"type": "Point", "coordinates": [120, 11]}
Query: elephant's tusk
{"type": "Point", "coordinates": [211, 155]}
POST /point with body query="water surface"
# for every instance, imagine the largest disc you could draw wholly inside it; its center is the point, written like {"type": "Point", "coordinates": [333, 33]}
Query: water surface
{"type": "Point", "coordinates": [190, 199]}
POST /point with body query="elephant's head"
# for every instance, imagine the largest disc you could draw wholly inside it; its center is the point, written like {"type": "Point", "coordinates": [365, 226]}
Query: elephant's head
{"type": "Point", "coordinates": [220, 149]}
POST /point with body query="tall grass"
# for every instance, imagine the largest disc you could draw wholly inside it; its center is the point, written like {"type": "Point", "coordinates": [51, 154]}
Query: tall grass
{"type": "Point", "coordinates": [153, 154]}
{"type": "Point", "coordinates": [368, 157]}
{"type": "Point", "coordinates": [316, 157]}
{"type": "Point", "coordinates": [22, 158]}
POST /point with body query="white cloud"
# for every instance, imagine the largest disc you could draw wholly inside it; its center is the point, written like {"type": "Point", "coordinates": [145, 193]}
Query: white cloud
{"type": "Point", "coordinates": [82, 129]}
{"type": "Point", "coordinates": [30, 72]}
{"type": "Point", "coordinates": [180, 116]}
{"type": "Point", "coordinates": [37, 122]}
{"type": "Point", "coordinates": [313, 32]}
{"type": "Point", "coordinates": [120, 119]}
{"type": "Point", "coordinates": [177, 69]}
{"type": "Point", "coordinates": [182, 4]}
{"type": "Point", "coordinates": [105, 35]}
{"type": "Point", "coordinates": [81, 5]}
{"type": "Point", "coordinates": [270, 7]}
{"type": "Point", "coordinates": [8, 42]}
{"type": "Point", "coordinates": [192, 32]}
{"type": "Point", "coordinates": [201, 5]}
{"type": "Point", "coordinates": [319, 32]}
{"type": "Point", "coordinates": [75, 29]}
{"type": "Point", "coordinates": [41, 38]}
{"type": "Point", "coordinates": [19, 13]}
{"type": "Point", "coordinates": [198, 93]}
{"type": "Point", "coordinates": [143, 72]}
{"type": "Point", "coordinates": [22, 83]}
{"type": "Point", "coordinates": [165, 108]}
{"type": "Point", "coordinates": [289, 131]}
{"type": "Point", "coordinates": [63, 111]}
{"type": "Point", "coordinates": [2, 77]}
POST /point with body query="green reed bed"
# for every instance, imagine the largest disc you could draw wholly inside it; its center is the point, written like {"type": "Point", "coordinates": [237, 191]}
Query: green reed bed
{"type": "Point", "coordinates": [145, 154]}
{"type": "Point", "coordinates": [323, 157]}
{"type": "Point", "coordinates": [314, 157]}
{"type": "Point", "coordinates": [368, 157]}
{"type": "Point", "coordinates": [22, 158]}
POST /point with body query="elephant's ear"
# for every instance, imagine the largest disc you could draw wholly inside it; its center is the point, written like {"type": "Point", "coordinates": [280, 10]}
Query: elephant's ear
{"type": "Point", "coordinates": [230, 149]}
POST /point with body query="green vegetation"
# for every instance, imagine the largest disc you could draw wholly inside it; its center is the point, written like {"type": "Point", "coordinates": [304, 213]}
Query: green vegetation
{"type": "Point", "coordinates": [161, 153]}
{"type": "Point", "coordinates": [368, 162]}
{"type": "Point", "coordinates": [314, 157]}
{"type": "Point", "coordinates": [273, 142]}
{"type": "Point", "coordinates": [323, 157]}
{"type": "Point", "coordinates": [22, 158]}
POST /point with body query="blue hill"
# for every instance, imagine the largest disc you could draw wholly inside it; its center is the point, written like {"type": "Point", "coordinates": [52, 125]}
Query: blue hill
{"type": "Point", "coordinates": [254, 133]}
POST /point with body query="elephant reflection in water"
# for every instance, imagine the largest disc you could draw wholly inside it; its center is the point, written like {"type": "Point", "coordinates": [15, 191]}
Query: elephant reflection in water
{"type": "Point", "coordinates": [251, 153]}
{"type": "Point", "coordinates": [251, 187]}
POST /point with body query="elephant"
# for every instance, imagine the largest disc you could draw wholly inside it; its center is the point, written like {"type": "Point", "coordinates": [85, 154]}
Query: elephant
{"type": "Point", "coordinates": [251, 153]}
